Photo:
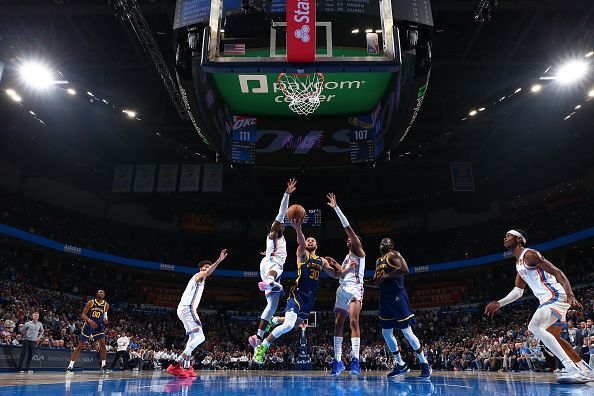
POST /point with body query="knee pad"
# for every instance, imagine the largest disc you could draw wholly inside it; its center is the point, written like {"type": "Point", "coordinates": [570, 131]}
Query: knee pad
{"type": "Point", "coordinates": [289, 323]}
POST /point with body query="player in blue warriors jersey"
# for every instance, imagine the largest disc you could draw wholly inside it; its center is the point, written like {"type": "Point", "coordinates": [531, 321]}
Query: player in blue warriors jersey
{"type": "Point", "coordinates": [95, 316]}
{"type": "Point", "coordinates": [394, 310]}
{"type": "Point", "coordinates": [303, 293]}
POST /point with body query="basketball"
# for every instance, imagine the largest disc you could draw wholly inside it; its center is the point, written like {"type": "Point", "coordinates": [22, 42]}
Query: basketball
{"type": "Point", "coordinates": [296, 211]}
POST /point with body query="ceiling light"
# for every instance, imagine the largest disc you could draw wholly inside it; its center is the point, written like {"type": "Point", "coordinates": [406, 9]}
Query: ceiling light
{"type": "Point", "coordinates": [517, 90]}
{"type": "Point", "coordinates": [472, 113]}
{"type": "Point", "coordinates": [10, 92]}
{"type": "Point", "coordinates": [536, 88]}
{"type": "Point", "coordinates": [16, 98]}
{"type": "Point", "coordinates": [89, 93]}
{"type": "Point", "coordinates": [591, 93]}
{"type": "Point", "coordinates": [482, 109]}
{"type": "Point", "coordinates": [368, 30]}
{"type": "Point", "coordinates": [31, 112]}
{"type": "Point", "coordinates": [589, 54]}
{"type": "Point", "coordinates": [578, 107]}
{"type": "Point", "coordinates": [355, 31]}
{"type": "Point", "coordinates": [71, 91]}
{"type": "Point", "coordinates": [572, 71]}
{"type": "Point", "coordinates": [378, 31]}
{"type": "Point", "coordinates": [36, 75]}
{"type": "Point", "coordinates": [129, 113]}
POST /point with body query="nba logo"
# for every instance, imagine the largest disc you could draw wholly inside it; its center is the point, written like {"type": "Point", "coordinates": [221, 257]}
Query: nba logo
{"type": "Point", "coordinates": [372, 43]}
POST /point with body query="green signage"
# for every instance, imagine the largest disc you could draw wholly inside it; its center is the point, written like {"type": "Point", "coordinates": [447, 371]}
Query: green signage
{"type": "Point", "coordinates": [261, 95]}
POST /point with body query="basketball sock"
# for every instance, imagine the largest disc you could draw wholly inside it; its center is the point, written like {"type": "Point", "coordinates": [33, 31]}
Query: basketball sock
{"type": "Point", "coordinates": [187, 364]}
{"type": "Point", "coordinates": [260, 333]}
{"type": "Point", "coordinates": [338, 348]}
{"type": "Point", "coordinates": [398, 358]}
{"type": "Point", "coordinates": [71, 364]}
{"type": "Point", "coordinates": [103, 362]}
{"type": "Point", "coordinates": [421, 356]}
{"type": "Point", "coordinates": [266, 343]}
{"type": "Point", "coordinates": [355, 344]}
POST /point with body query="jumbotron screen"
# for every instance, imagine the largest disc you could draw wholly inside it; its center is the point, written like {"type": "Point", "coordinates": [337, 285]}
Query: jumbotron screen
{"type": "Point", "coordinates": [313, 218]}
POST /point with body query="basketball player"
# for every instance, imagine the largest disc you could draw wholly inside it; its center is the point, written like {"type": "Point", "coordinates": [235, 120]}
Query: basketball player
{"type": "Point", "coordinates": [95, 316]}
{"type": "Point", "coordinates": [271, 266]}
{"type": "Point", "coordinates": [303, 293]}
{"type": "Point", "coordinates": [349, 295]}
{"type": "Point", "coordinates": [186, 312]}
{"type": "Point", "coordinates": [394, 309]}
{"type": "Point", "coordinates": [550, 285]}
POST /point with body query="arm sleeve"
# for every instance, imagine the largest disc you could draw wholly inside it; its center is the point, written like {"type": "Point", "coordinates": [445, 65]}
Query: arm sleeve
{"type": "Point", "coordinates": [512, 296]}
{"type": "Point", "coordinates": [105, 315]}
{"type": "Point", "coordinates": [282, 211]}
{"type": "Point", "coordinates": [342, 217]}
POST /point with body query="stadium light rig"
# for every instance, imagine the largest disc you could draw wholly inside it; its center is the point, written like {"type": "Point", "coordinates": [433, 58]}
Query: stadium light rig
{"type": "Point", "coordinates": [38, 76]}
{"type": "Point", "coordinates": [572, 71]}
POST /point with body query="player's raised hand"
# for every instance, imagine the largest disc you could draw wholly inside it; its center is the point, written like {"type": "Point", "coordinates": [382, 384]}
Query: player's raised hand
{"type": "Point", "coordinates": [296, 222]}
{"type": "Point", "coordinates": [491, 308]}
{"type": "Point", "coordinates": [331, 200]}
{"type": "Point", "coordinates": [223, 255]}
{"type": "Point", "coordinates": [291, 185]}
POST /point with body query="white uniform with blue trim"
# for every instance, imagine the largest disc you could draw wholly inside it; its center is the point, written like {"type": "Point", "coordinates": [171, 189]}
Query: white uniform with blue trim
{"type": "Point", "coordinates": [545, 287]}
{"type": "Point", "coordinates": [351, 284]}
{"type": "Point", "coordinates": [186, 310]}
{"type": "Point", "coordinates": [275, 257]}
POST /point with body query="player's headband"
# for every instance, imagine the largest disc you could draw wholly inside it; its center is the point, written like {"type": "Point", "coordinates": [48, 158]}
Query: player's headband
{"type": "Point", "coordinates": [516, 233]}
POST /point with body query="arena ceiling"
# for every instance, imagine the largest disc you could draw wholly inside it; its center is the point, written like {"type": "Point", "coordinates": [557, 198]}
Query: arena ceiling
{"type": "Point", "coordinates": [474, 64]}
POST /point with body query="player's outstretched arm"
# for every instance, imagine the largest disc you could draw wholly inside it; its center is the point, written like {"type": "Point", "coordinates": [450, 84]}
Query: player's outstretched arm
{"type": "Point", "coordinates": [329, 269]}
{"type": "Point", "coordinates": [204, 274]}
{"type": "Point", "coordinates": [282, 211]}
{"type": "Point", "coordinates": [301, 252]}
{"type": "Point", "coordinates": [535, 259]}
{"type": "Point", "coordinates": [513, 295]}
{"type": "Point", "coordinates": [356, 245]}
{"type": "Point", "coordinates": [105, 320]}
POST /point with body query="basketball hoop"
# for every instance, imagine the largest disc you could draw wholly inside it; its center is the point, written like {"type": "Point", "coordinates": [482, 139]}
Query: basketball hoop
{"type": "Point", "coordinates": [304, 90]}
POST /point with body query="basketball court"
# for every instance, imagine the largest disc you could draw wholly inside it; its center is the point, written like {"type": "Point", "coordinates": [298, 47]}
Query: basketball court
{"type": "Point", "coordinates": [239, 383]}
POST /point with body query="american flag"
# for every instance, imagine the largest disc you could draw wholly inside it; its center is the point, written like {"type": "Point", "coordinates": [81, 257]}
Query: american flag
{"type": "Point", "coordinates": [234, 49]}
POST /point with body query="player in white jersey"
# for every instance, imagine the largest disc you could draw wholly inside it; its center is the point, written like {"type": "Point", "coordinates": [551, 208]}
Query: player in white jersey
{"type": "Point", "coordinates": [186, 312]}
{"type": "Point", "coordinates": [271, 266]}
{"type": "Point", "coordinates": [550, 285]}
{"type": "Point", "coordinates": [349, 295]}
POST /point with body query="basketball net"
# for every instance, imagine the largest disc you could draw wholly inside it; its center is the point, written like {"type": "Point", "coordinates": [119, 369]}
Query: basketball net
{"type": "Point", "coordinates": [304, 90]}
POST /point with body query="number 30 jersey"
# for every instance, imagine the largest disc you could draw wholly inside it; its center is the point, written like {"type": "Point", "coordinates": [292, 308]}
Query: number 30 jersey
{"type": "Point", "coordinates": [308, 276]}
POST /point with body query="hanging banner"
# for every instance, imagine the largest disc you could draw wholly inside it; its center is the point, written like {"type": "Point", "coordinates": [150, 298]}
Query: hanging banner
{"type": "Point", "coordinates": [122, 178]}
{"type": "Point", "coordinates": [213, 178]}
{"type": "Point", "coordinates": [189, 179]}
{"type": "Point", "coordinates": [462, 179]}
{"type": "Point", "coordinates": [144, 180]}
{"type": "Point", "coordinates": [167, 178]}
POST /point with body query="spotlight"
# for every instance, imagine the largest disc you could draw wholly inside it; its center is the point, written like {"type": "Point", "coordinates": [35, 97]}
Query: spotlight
{"type": "Point", "coordinates": [36, 75]}
{"type": "Point", "coordinates": [355, 31]}
{"type": "Point", "coordinates": [578, 107]}
{"type": "Point", "coordinates": [572, 71]}
{"type": "Point", "coordinates": [129, 113]}
{"type": "Point", "coordinates": [13, 95]}
{"type": "Point", "coordinates": [472, 113]}
{"type": "Point", "coordinates": [536, 88]}
{"type": "Point", "coordinates": [89, 93]}
{"type": "Point", "coordinates": [10, 92]}
{"type": "Point", "coordinates": [591, 93]}
{"type": "Point", "coordinates": [589, 54]}
{"type": "Point", "coordinates": [482, 109]}
{"type": "Point", "coordinates": [71, 91]}
{"type": "Point", "coordinates": [368, 30]}
{"type": "Point", "coordinates": [517, 90]}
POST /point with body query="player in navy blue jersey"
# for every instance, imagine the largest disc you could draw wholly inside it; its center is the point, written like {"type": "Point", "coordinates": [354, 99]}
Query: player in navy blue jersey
{"type": "Point", "coordinates": [394, 309]}
{"type": "Point", "coordinates": [95, 316]}
{"type": "Point", "coordinates": [303, 293]}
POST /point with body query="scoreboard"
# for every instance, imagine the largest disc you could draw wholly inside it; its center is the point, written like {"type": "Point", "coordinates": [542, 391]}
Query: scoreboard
{"type": "Point", "coordinates": [313, 218]}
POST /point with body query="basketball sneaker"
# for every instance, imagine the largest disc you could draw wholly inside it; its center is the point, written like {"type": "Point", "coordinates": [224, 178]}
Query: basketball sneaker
{"type": "Point", "coordinates": [270, 286]}
{"type": "Point", "coordinates": [399, 369]}
{"type": "Point", "coordinates": [425, 370]}
{"type": "Point", "coordinates": [260, 353]}
{"type": "Point", "coordinates": [190, 371]}
{"type": "Point", "coordinates": [355, 367]}
{"type": "Point", "coordinates": [69, 370]}
{"type": "Point", "coordinates": [270, 326]}
{"type": "Point", "coordinates": [337, 367]}
{"type": "Point", "coordinates": [574, 375]}
{"type": "Point", "coordinates": [254, 341]}
{"type": "Point", "coordinates": [176, 371]}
